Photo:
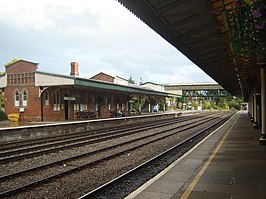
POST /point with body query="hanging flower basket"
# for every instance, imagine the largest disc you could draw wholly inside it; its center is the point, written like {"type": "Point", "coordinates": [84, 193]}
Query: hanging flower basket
{"type": "Point", "coordinates": [249, 28]}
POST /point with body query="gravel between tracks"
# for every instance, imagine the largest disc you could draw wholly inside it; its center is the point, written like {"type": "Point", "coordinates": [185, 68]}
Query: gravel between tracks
{"type": "Point", "coordinates": [77, 184]}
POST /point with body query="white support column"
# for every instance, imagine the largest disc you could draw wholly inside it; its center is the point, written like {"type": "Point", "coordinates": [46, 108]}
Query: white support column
{"type": "Point", "coordinates": [255, 110]}
{"type": "Point", "coordinates": [263, 108]}
{"type": "Point", "coordinates": [250, 106]}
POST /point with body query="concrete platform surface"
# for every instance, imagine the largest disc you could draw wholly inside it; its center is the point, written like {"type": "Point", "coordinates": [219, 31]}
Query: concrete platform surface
{"type": "Point", "coordinates": [228, 164]}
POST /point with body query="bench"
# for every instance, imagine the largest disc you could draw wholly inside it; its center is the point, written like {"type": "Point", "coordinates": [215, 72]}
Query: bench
{"type": "Point", "coordinates": [85, 115]}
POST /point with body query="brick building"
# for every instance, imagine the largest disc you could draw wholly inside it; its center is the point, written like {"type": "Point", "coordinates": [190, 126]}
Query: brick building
{"type": "Point", "coordinates": [42, 96]}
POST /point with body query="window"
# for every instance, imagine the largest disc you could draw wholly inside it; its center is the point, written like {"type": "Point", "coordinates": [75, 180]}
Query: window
{"type": "Point", "coordinates": [46, 98]}
{"type": "Point", "coordinates": [83, 103]}
{"type": "Point", "coordinates": [76, 104]}
{"type": "Point", "coordinates": [17, 98]}
{"type": "Point", "coordinates": [56, 102]}
{"type": "Point", "coordinates": [25, 98]}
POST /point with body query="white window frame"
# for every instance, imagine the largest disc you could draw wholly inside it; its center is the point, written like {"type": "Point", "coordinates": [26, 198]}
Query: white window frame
{"type": "Point", "coordinates": [17, 98]}
{"type": "Point", "coordinates": [25, 98]}
{"type": "Point", "coordinates": [56, 101]}
{"type": "Point", "coordinates": [46, 98]}
{"type": "Point", "coordinates": [76, 104]}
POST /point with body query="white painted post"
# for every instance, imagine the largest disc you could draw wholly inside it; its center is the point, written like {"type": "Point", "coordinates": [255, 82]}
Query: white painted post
{"type": "Point", "coordinates": [255, 110]}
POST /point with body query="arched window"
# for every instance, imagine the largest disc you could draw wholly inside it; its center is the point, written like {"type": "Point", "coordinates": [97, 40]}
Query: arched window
{"type": "Point", "coordinates": [56, 101]}
{"type": "Point", "coordinates": [25, 98]}
{"type": "Point", "coordinates": [46, 98]}
{"type": "Point", "coordinates": [17, 98]}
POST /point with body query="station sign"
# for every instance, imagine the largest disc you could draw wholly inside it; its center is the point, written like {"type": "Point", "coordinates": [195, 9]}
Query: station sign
{"type": "Point", "coordinates": [70, 98]}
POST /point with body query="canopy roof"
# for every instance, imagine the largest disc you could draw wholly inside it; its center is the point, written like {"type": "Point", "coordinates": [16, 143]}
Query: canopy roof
{"type": "Point", "coordinates": [202, 30]}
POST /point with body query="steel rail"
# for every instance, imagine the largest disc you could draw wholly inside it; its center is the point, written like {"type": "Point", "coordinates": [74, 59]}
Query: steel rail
{"type": "Point", "coordinates": [23, 143]}
{"type": "Point", "coordinates": [96, 151]}
{"type": "Point", "coordinates": [31, 184]}
{"type": "Point", "coordinates": [84, 140]}
{"type": "Point", "coordinates": [101, 189]}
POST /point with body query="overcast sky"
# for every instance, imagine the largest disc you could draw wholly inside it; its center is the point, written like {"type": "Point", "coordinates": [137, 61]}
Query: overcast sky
{"type": "Point", "coordinates": [101, 35]}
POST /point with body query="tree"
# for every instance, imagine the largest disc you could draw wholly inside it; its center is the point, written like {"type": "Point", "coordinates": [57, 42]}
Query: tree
{"type": "Point", "coordinates": [195, 105]}
{"type": "Point", "coordinates": [139, 103]}
{"type": "Point", "coordinates": [131, 80]}
{"type": "Point", "coordinates": [206, 105]}
{"type": "Point", "coordinates": [140, 80]}
{"type": "Point", "coordinates": [234, 104]}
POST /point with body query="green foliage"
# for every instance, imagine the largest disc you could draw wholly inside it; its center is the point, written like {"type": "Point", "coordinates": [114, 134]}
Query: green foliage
{"type": "Point", "coordinates": [138, 105]}
{"type": "Point", "coordinates": [131, 80]}
{"type": "Point", "coordinates": [1, 100]}
{"type": "Point", "coordinates": [11, 62]}
{"type": "Point", "coordinates": [219, 103]}
{"type": "Point", "coordinates": [3, 116]}
{"type": "Point", "coordinates": [135, 106]}
{"type": "Point", "coordinates": [195, 105]}
{"type": "Point", "coordinates": [161, 104]}
{"type": "Point", "coordinates": [234, 104]}
{"type": "Point", "coordinates": [222, 103]}
{"type": "Point", "coordinates": [206, 105]}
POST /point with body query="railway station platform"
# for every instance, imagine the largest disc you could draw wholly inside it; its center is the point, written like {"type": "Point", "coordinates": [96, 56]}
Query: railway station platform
{"type": "Point", "coordinates": [229, 164]}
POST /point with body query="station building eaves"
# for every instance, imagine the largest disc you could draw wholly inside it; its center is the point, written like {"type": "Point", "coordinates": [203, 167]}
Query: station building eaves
{"type": "Point", "coordinates": [50, 79]}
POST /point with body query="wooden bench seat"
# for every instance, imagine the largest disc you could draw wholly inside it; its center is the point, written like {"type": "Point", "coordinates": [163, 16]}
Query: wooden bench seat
{"type": "Point", "coordinates": [85, 114]}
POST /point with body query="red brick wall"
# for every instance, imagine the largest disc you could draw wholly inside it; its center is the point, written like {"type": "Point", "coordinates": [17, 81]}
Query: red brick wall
{"type": "Point", "coordinates": [21, 67]}
{"type": "Point", "coordinates": [48, 110]}
{"type": "Point", "coordinates": [32, 112]}
{"type": "Point", "coordinates": [103, 77]}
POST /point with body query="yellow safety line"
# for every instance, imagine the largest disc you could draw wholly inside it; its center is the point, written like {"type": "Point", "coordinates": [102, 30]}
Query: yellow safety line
{"type": "Point", "coordinates": [205, 166]}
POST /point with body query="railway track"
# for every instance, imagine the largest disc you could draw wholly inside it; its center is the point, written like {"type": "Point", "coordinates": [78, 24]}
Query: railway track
{"type": "Point", "coordinates": [58, 169]}
{"type": "Point", "coordinates": [122, 186]}
{"type": "Point", "coordinates": [15, 151]}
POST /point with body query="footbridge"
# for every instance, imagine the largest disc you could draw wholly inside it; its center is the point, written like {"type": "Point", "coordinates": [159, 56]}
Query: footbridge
{"type": "Point", "coordinates": [197, 90]}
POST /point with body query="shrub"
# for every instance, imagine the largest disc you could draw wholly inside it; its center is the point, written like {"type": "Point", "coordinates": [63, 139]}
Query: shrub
{"type": "Point", "coordinates": [3, 116]}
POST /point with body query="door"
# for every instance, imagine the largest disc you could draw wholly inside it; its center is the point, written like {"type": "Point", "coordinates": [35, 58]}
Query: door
{"type": "Point", "coordinates": [66, 106]}
{"type": "Point", "coordinates": [66, 109]}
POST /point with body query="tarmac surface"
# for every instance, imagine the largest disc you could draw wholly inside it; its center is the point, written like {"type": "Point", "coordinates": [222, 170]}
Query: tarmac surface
{"type": "Point", "coordinates": [228, 164]}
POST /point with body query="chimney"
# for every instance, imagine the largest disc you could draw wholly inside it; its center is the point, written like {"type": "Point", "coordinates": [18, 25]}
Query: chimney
{"type": "Point", "coordinates": [74, 69]}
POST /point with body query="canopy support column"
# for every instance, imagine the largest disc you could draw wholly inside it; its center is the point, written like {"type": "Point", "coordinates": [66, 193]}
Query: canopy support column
{"type": "Point", "coordinates": [263, 108]}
